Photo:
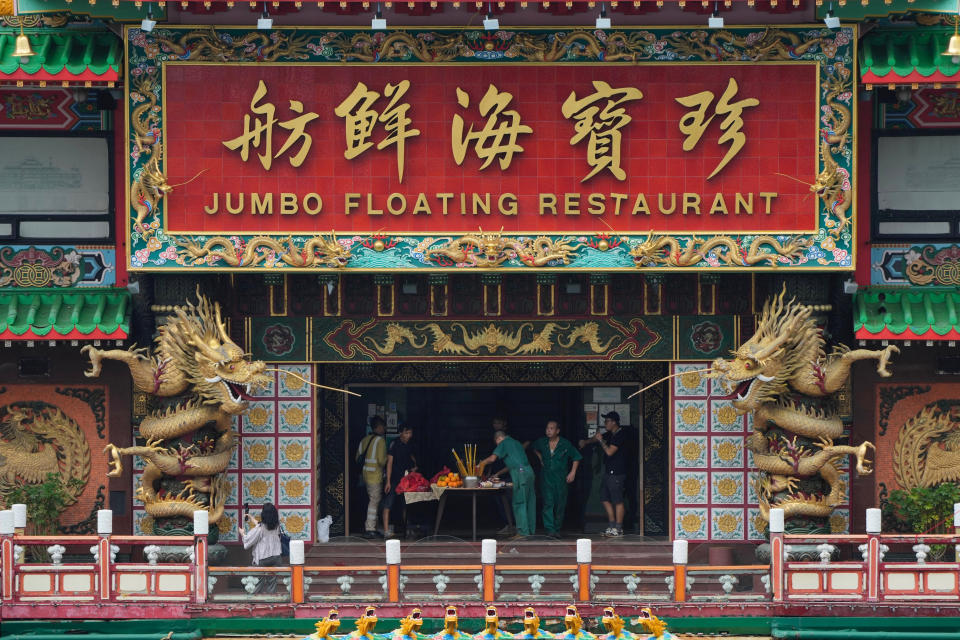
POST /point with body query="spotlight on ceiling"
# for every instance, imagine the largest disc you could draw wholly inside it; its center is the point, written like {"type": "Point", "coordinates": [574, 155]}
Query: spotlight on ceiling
{"type": "Point", "coordinates": [148, 23]}
{"type": "Point", "coordinates": [715, 21]}
{"type": "Point", "coordinates": [603, 22]}
{"type": "Point", "coordinates": [265, 22]}
{"type": "Point", "coordinates": [378, 23]}
{"type": "Point", "coordinates": [832, 21]}
{"type": "Point", "coordinates": [490, 23]}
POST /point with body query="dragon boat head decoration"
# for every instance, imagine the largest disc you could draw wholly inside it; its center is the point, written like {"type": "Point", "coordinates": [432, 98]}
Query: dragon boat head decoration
{"type": "Point", "coordinates": [785, 378]}
{"type": "Point", "coordinates": [198, 380]}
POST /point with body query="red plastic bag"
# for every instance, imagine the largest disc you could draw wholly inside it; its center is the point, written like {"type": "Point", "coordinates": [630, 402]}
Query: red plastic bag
{"type": "Point", "coordinates": [442, 472]}
{"type": "Point", "coordinates": [412, 482]}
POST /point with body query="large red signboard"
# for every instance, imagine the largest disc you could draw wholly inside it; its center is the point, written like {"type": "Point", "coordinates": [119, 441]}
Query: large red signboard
{"type": "Point", "coordinates": [284, 149]}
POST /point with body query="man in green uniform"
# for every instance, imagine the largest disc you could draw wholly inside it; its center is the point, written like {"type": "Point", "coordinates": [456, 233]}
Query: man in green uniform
{"type": "Point", "coordinates": [524, 494]}
{"type": "Point", "coordinates": [556, 455]}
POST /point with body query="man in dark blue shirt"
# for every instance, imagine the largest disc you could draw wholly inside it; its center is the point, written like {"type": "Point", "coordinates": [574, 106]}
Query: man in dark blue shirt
{"type": "Point", "coordinates": [612, 440]}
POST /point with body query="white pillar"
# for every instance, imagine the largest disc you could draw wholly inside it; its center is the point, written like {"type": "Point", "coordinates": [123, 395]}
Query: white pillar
{"type": "Point", "coordinates": [873, 520]}
{"type": "Point", "coordinates": [680, 551]}
{"type": "Point", "coordinates": [393, 551]}
{"type": "Point", "coordinates": [584, 551]}
{"type": "Point", "coordinates": [104, 522]}
{"type": "Point", "coordinates": [201, 522]}
{"type": "Point", "coordinates": [776, 520]}
{"type": "Point", "coordinates": [488, 551]}
{"type": "Point", "coordinates": [6, 522]}
{"type": "Point", "coordinates": [19, 515]}
{"type": "Point", "coordinates": [297, 554]}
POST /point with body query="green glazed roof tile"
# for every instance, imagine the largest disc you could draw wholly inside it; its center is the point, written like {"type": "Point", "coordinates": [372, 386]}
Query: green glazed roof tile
{"type": "Point", "coordinates": [58, 313]}
{"type": "Point", "coordinates": [906, 51]}
{"type": "Point", "coordinates": [99, 52]}
{"type": "Point", "coordinates": [908, 313]}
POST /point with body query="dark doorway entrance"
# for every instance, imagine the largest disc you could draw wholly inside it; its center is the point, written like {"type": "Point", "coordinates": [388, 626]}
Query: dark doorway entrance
{"type": "Point", "coordinates": [446, 417]}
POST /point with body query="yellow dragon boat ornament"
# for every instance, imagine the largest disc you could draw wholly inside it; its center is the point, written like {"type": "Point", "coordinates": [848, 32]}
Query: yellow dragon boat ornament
{"type": "Point", "coordinates": [785, 378]}
{"type": "Point", "coordinates": [199, 380]}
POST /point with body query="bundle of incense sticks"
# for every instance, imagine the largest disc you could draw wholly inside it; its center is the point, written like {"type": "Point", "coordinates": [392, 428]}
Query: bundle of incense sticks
{"type": "Point", "coordinates": [467, 465]}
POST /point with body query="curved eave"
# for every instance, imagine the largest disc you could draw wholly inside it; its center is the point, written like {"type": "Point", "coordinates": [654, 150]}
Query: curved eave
{"type": "Point", "coordinates": [907, 334]}
{"type": "Point", "coordinates": [869, 78]}
{"type": "Point", "coordinates": [108, 78]}
{"type": "Point", "coordinates": [35, 333]}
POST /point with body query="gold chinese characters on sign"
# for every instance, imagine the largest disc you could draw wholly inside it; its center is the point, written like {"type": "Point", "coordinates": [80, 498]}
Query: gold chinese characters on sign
{"type": "Point", "coordinates": [600, 118]}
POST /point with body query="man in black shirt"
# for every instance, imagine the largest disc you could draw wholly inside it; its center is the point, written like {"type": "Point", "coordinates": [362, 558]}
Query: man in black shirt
{"type": "Point", "coordinates": [400, 461]}
{"type": "Point", "coordinates": [613, 485]}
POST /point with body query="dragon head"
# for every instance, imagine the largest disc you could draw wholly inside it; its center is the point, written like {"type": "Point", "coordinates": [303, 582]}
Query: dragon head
{"type": "Point", "coordinates": [334, 254]}
{"type": "Point", "coordinates": [491, 621]}
{"type": "Point", "coordinates": [648, 252]}
{"type": "Point", "coordinates": [450, 620]}
{"type": "Point", "coordinates": [573, 621]}
{"type": "Point", "coordinates": [612, 622]}
{"type": "Point", "coordinates": [327, 625]}
{"type": "Point", "coordinates": [411, 623]}
{"type": "Point", "coordinates": [761, 368]}
{"type": "Point", "coordinates": [650, 623]}
{"type": "Point", "coordinates": [367, 621]}
{"type": "Point", "coordinates": [531, 622]}
{"type": "Point", "coordinates": [196, 341]}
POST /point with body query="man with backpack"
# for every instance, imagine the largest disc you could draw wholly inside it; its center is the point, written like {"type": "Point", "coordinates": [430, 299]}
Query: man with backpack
{"type": "Point", "coordinates": [372, 455]}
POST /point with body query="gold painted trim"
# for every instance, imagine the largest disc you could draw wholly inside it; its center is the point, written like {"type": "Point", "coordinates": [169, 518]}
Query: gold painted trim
{"type": "Point", "coordinates": [553, 306]}
{"type": "Point", "coordinates": [380, 299]}
{"type": "Point", "coordinates": [309, 349]}
{"type": "Point", "coordinates": [486, 299]}
{"type": "Point", "coordinates": [445, 298]}
{"type": "Point", "coordinates": [284, 301]}
{"type": "Point", "coordinates": [606, 299]}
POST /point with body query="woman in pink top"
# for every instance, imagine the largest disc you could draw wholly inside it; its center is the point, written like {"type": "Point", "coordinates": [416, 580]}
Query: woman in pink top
{"type": "Point", "coordinates": [264, 537]}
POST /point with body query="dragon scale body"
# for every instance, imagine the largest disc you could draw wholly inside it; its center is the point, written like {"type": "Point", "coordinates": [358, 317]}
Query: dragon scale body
{"type": "Point", "coordinates": [200, 374]}
{"type": "Point", "coordinates": [786, 379]}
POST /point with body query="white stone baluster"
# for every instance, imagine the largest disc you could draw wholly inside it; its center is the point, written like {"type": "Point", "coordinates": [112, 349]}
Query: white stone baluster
{"type": "Point", "coordinates": [921, 550]}
{"type": "Point", "coordinates": [727, 581]}
{"type": "Point", "coordinates": [56, 552]}
{"type": "Point", "coordinates": [250, 584]}
{"type": "Point", "coordinates": [826, 552]}
{"type": "Point", "coordinates": [152, 552]}
{"type": "Point", "coordinates": [346, 583]}
{"type": "Point", "coordinates": [631, 581]}
{"type": "Point", "coordinates": [536, 583]}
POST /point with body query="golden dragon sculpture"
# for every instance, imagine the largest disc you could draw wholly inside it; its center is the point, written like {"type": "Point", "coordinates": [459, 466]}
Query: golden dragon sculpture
{"type": "Point", "coordinates": [150, 185]}
{"type": "Point", "coordinates": [318, 251]}
{"type": "Point", "coordinates": [37, 439]}
{"type": "Point", "coordinates": [488, 250]}
{"type": "Point", "coordinates": [200, 380]}
{"type": "Point", "coordinates": [784, 376]}
{"type": "Point", "coordinates": [832, 184]}
{"type": "Point", "coordinates": [207, 44]}
{"type": "Point", "coordinates": [660, 250]}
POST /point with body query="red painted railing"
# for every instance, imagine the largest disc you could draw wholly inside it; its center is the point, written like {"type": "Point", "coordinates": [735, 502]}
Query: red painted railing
{"type": "Point", "coordinates": [843, 568]}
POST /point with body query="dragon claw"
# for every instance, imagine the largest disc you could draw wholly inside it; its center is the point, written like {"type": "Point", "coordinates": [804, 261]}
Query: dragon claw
{"type": "Point", "coordinates": [885, 360]}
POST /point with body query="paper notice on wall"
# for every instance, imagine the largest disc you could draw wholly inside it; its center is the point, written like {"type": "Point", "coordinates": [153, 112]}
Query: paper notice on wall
{"type": "Point", "coordinates": [606, 394]}
{"type": "Point", "coordinates": [624, 411]}
{"type": "Point", "coordinates": [392, 422]}
{"type": "Point", "coordinates": [591, 415]}
{"type": "Point", "coordinates": [371, 410]}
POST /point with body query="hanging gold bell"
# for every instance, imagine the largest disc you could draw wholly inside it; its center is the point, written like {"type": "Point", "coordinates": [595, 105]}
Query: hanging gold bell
{"type": "Point", "coordinates": [953, 48]}
{"type": "Point", "coordinates": [22, 48]}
